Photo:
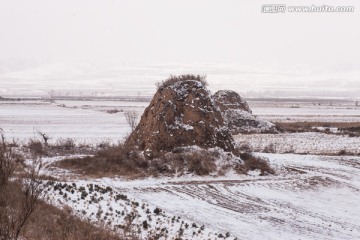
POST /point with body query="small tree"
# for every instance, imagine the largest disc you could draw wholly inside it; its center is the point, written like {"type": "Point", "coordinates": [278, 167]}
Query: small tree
{"type": "Point", "coordinates": [7, 165]}
{"type": "Point", "coordinates": [45, 137]}
{"type": "Point", "coordinates": [131, 118]}
{"type": "Point", "coordinates": [18, 197]}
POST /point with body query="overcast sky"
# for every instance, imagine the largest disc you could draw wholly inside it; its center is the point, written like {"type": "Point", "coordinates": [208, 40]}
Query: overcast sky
{"type": "Point", "coordinates": [177, 32]}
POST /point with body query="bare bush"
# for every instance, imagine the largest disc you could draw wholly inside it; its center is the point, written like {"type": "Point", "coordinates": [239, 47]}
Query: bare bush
{"type": "Point", "coordinates": [19, 196]}
{"type": "Point", "coordinates": [173, 79]}
{"type": "Point", "coordinates": [252, 162]}
{"type": "Point", "coordinates": [271, 148]}
{"type": "Point", "coordinates": [131, 118]}
{"type": "Point", "coordinates": [67, 144]}
{"type": "Point", "coordinates": [36, 148]}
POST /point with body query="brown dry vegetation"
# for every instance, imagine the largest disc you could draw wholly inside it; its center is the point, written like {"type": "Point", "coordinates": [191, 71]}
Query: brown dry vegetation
{"type": "Point", "coordinates": [121, 161]}
{"type": "Point", "coordinates": [18, 195]}
{"type": "Point", "coordinates": [115, 160]}
{"type": "Point", "coordinates": [253, 163]}
{"type": "Point", "coordinates": [23, 215]}
{"type": "Point", "coordinates": [49, 222]}
{"type": "Point", "coordinates": [60, 148]}
{"type": "Point", "coordinates": [350, 128]}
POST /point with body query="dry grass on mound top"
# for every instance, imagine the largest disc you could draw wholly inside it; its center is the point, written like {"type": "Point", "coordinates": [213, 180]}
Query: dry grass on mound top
{"type": "Point", "coordinates": [174, 79]}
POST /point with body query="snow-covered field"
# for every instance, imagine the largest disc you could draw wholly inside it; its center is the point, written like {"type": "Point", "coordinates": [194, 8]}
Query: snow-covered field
{"type": "Point", "coordinates": [90, 122]}
{"type": "Point", "coordinates": [310, 197]}
{"type": "Point", "coordinates": [300, 143]}
{"type": "Point", "coordinates": [308, 113]}
{"type": "Point", "coordinates": [85, 122]}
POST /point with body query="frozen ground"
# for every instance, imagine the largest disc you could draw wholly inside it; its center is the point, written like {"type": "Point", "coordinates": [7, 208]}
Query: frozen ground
{"type": "Point", "coordinates": [310, 197]}
{"type": "Point", "coordinates": [301, 143]}
{"type": "Point", "coordinates": [86, 122]}
{"type": "Point", "coordinates": [306, 110]}
{"type": "Point", "coordinates": [90, 122]}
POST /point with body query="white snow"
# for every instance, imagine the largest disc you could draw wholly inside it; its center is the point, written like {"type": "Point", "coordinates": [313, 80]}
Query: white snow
{"type": "Point", "coordinates": [309, 197]}
{"type": "Point", "coordinates": [22, 120]}
{"type": "Point", "coordinates": [302, 143]}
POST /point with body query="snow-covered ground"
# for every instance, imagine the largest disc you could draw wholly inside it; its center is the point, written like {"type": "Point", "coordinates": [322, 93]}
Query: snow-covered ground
{"type": "Point", "coordinates": [91, 122]}
{"type": "Point", "coordinates": [310, 197]}
{"type": "Point", "coordinates": [343, 113]}
{"type": "Point", "coordinates": [85, 122]}
{"type": "Point", "coordinates": [301, 143]}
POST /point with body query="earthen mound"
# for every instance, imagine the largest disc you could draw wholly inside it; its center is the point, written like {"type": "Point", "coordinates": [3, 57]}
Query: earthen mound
{"type": "Point", "coordinates": [238, 116]}
{"type": "Point", "coordinates": [181, 114]}
{"type": "Point", "coordinates": [226, 99]}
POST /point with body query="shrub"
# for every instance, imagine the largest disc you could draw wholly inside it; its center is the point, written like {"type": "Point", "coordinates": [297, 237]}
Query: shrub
{"type": "Point", "coordinates": [36, 148]}
{"type": "Point", "coordinates": [67, 144]}
{"type": "Point", "coordinates": [145, 224]}
{"type": "Point", "coordinates": [271, 148]}
{"type": "Point", "coordinates": [342, 152]}
{"type": "Point", "coordinates": [157, 211]}
{"type": "Point", "coordinates": [201, 164]}
{"type": "Point", "coordinates": [131, 118]}
{"type": "Point", "coordinates": [252, 162]}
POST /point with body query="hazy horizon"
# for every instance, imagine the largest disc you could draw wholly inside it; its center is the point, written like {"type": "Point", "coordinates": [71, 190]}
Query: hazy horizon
{"type": "Point", "coordinates": [124, 47]}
